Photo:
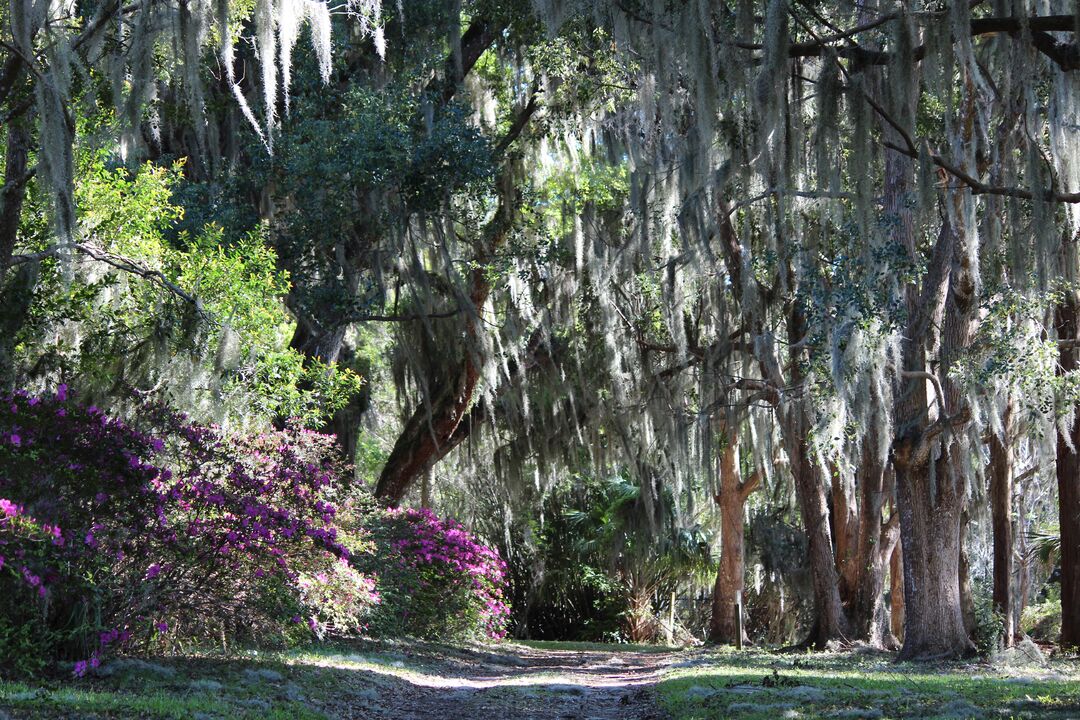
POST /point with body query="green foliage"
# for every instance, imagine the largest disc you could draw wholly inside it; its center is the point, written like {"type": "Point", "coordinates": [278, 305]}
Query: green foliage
{"type": "Point", "coordinates": [605, 565]}
{"type": "Point", "coordinates": [1042, 620]}
{"type": "Point", "coordinates": [105, 326]}
{"type": "Point", "coordinates": [988, 631]}
{"type": "Point", "coordinates": [596, 186]}
{"type": "Point", "coordinates": [349, 171]}
{"type": "Point", "coordinates": [21, 642]}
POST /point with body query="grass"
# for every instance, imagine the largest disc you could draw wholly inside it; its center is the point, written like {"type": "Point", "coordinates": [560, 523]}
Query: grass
{"type": "Point", "coordinates": [754, 685]}
{"type": "Point", "coordinates": [178, 688]}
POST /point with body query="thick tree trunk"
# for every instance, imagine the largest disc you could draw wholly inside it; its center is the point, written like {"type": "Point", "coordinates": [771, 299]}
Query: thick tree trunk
{"type": "Point", "coordinates": [426, 437]}
{"type": "Point", "coordinates": [1001, 500]}
{"type": "Point", "coordinates": [730, 575]}
{"type": "Point", "coordinates": [1068, 480]}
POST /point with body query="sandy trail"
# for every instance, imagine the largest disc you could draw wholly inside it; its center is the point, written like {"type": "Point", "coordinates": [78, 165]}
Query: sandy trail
{"type": "Point", "coordinates": [508, 682]}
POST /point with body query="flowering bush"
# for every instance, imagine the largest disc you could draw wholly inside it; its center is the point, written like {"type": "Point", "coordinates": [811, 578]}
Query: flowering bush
{"type": "Point", "coordinates": [112, 535]}
{"type": "Point", "coordinates": [436, 579]}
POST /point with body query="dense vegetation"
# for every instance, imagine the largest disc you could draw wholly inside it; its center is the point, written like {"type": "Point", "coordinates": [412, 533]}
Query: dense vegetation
{"type": "Point", "coordinates": [593, 320]}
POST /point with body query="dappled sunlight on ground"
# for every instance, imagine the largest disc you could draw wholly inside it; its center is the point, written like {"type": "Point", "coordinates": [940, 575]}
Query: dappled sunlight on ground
{"type": "Point", "coordinates": [401, 680]}
{"type": "Point", "coordinates": [763, 686]}
{"type": "Point", "coordinates": [505, 681]}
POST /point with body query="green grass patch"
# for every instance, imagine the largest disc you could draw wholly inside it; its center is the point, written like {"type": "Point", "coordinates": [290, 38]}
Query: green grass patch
{"type": "Point", "coordinates": [760, 686]}
{"type": "Point", "coordinates": [219, 689]}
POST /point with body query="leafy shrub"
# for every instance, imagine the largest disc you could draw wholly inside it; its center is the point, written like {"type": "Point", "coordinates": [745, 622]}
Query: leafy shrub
{"type": "Point", "coordinates": [112, 535]}
{"type": "Point", "coordinates": [1042, 620]}
{"type": "Point", "coordinates": [436, 580]}
{"type": "Point", "coordinates": [988, 630]}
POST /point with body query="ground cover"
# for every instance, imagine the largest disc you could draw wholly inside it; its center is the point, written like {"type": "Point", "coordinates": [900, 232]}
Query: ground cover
{"type": "Point", "coordinates": [369, 680]}
{"type": "Point", "coordinates": [754, 685]}
{"type": "Point", "coordinates": [550, 680]}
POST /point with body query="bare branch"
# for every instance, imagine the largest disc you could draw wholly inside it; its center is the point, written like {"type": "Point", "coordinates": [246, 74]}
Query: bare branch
{"type": "Point", "coordinates": [120, 263]}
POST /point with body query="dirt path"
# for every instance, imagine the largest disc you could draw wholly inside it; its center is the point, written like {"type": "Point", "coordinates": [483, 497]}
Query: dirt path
{"type": "Point", "coordinates": [511, 681]}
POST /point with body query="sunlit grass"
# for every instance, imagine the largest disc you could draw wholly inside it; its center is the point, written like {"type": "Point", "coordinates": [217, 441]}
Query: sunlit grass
{"type": "Point", "coordinates": [150, 695]}
{"type": "Point", "coordinates": [755, 685]}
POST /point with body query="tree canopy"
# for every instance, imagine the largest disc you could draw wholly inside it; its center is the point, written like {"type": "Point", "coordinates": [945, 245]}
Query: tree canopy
{"type": "Point", "coordinates": [688, 279]}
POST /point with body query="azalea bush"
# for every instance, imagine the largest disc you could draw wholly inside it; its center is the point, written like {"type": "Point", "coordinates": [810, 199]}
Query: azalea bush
{"type": "Point", "coordinates": [436, 579]}
{"type": "Point", "coordinates": [161, 530]}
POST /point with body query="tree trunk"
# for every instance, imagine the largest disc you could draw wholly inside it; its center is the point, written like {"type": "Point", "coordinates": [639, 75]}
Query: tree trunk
{"type": "Point", "coordinates": [1001, 500]}
{"type": "Point", "coordinates": [1068, 480]}
{"type": "Point", "coordinates": [730, 576]}
{"type": "Point", "coordinates": [13, 191]}
{"type": "Point", "coordinates": [872, 541]}
{"type": "Point", "coordinates": [967, 598]}
{"type": "Point", "coordinates": [930, 509]}
{"type": "Point", "coordinates": [426, 436]}
{"type": "Point", "coordinates": [830, 620]}
{"type": "Point", "coordinates": [896, 593]}
{"type": "Point", "coordinates": [1022, 592]}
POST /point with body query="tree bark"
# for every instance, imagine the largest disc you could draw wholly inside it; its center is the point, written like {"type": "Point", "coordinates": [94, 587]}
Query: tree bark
{"type": "Point", "coordinates": [967, 598]}
{"type": "Point", "coordinates": [1068, 481]}
{"type": "Point", "coordinates": [425, 439]}
{"type": "Point", "coordinates": [864, 544]}
{"type": "Point", "coordinates": [1001, 500]}
{"type": "Point", "coordinates": [896, 593]}
{"type": "Point", "coordinates": [13, 191]}
{"type": "Point", "coordinates": [930, 511]}
{"type": "Point", "coordinates": [830, 620]}
{"type": "Point", "coordinates": [429, 432]}
{"type": "Point", "coordinates": [928, 456]}
{"type": "Point", "coordinates": [730, 575]}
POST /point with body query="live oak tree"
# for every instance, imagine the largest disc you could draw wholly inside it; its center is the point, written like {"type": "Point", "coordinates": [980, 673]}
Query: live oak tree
{"type": "Point", "coordinates": [637, 238]}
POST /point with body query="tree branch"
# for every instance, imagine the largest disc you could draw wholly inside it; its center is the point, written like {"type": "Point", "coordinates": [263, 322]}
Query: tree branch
{"type": "Point", "coordinates": [120, 263]}
{"type": "Point", "coordinates": [1064, 55]}
{"type": "Point", "coordinates": [520, 122]}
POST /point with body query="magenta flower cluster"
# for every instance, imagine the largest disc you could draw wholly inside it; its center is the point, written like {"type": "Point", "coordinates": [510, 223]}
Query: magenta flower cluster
{"type": "Point", "coordinates": [451, 569]}
{"type": "Point", "coordinates": [164, 527]}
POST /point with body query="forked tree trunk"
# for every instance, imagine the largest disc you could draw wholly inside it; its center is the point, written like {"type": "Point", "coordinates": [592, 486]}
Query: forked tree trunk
{"type": "Point", "coordinates": [1068, 481]}
{"type": "Point", "coordinates": [730, 575]}
{"type": "Point", "coordinates": [931, 489]}
{"type": "Point", "coordinates": [1001, 500]}
{"type": "Point", "coordinates": [927, 452]}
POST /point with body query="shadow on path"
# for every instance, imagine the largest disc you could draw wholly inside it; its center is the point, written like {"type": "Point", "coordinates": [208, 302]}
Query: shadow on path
{"type": "Point", "coordinates": [511, 681]}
